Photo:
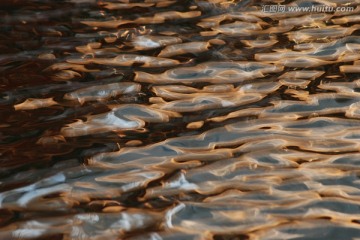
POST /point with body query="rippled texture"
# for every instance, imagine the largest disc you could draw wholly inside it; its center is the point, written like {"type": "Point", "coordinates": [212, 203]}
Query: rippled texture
{"type": "Point", "coordinates": [165, 119]}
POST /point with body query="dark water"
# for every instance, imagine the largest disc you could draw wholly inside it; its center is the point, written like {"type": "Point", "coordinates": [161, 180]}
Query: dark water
{"type": "Point", "coordinates": [165, 119]}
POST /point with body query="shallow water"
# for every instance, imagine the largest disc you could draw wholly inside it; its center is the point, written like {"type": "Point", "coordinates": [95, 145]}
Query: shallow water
{"type": "Point", "coordinates": [179, 120]}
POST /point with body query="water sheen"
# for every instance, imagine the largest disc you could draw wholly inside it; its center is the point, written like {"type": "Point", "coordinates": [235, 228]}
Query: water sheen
{"type": "Point", "coordinates": [199, 119]}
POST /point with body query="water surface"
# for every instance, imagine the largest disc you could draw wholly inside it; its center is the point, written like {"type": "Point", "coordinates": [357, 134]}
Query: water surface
{"type": "Point", "coordinates": [200, 119]}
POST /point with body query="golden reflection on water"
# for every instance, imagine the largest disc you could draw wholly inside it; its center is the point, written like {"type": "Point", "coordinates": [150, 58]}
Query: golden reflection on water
{"type": "Point", "coordinates": [179, 120]}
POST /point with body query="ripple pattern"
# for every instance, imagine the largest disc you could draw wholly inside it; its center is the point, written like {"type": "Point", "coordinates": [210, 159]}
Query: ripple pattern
{"type": "Point", "coordinates": [152, 119]}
